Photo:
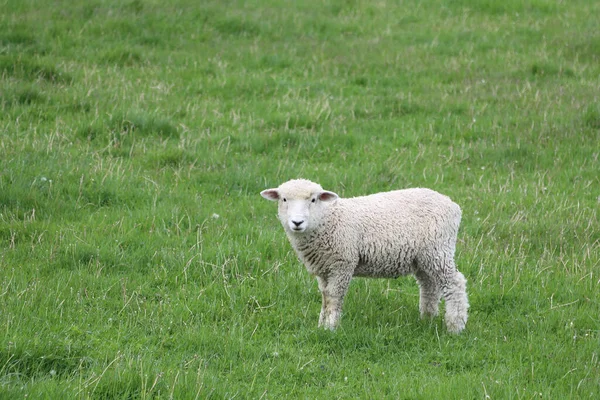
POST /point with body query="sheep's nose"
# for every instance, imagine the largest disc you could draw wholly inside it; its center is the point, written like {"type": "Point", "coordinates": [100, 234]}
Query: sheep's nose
{"type": "Point", "coordinates": [297, 223]}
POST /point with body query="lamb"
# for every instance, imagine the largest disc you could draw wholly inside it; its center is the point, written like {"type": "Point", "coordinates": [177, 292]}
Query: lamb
{"type": "Point", "coordinates": [383, 235]}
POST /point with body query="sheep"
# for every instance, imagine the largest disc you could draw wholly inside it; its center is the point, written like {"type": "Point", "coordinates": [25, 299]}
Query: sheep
{"type": "Point", "coordinates": [383, 235]}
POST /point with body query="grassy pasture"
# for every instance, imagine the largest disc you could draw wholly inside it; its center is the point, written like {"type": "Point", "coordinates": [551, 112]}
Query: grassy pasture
{"type": "Point", "coordinates": [137, 259]}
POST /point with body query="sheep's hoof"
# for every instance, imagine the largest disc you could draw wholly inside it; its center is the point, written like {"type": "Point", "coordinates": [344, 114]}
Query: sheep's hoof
{"type": "Point", "coordinates": [455, 326]}
{"type": "Point", "coordinates": [428, 315]}
{"type": "Point", "coordinates": [327, 326]}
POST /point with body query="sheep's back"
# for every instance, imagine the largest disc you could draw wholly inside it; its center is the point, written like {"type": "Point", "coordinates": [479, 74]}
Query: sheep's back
{"type": "Point", "coordinates": [391, 229]}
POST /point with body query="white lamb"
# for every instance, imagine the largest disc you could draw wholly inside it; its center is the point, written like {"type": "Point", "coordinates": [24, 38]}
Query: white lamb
{"type": "Point", "coordinates": [384, 235]}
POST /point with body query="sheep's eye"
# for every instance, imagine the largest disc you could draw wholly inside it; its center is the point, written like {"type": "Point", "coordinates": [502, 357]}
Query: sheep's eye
{"type": "Point", "coordinates": [314, 200]}
{"type": "Point", "coordinates": [284, 199]}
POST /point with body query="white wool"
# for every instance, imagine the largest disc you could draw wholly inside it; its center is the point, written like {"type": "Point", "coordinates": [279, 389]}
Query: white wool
{"type": "Point", "coordinates": [300, 188]}
{"type": "Point", "coordinates": [383, 235]}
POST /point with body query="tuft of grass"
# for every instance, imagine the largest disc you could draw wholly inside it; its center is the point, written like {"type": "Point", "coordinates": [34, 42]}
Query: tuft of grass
{"type": "Point", "coordinates": [41, 363]}
{"type": "Point", "coordinates": [123, 57]}
{"type": "Point", "coordinates": [591, 117]}
{"type": "Point", "coordinates": [31, 70]}
{"type": "Point", "coordinates": [236, 26]}
{"type": "Point", "coordinates": [121, 130]}
{"type": "Point", "coordinates": [21, 96]}
{"type": "Point", "coordinates": [549, 70]}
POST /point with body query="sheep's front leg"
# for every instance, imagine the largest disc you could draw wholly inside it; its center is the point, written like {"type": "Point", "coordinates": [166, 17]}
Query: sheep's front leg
{"type": "Point", "coordinates": [322, 286]}
{"type": "Point", "coordinates": [333, 290]}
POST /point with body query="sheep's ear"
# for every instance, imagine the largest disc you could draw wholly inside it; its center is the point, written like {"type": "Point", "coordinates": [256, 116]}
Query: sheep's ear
{"type": "Point", "coordinates": [270, 194]}
{"type": "Point", "coordinates": [327, 196]}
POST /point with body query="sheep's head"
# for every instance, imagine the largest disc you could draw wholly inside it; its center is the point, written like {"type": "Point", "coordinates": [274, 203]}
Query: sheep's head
{"type": "Point", "coordinates": [301, 204]}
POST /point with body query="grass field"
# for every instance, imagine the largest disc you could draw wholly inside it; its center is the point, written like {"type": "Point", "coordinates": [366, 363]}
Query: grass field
{"type": "Point", "coordinates": [138, 261]}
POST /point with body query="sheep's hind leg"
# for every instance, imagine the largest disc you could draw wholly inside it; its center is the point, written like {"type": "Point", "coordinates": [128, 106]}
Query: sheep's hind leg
{"type": "Point", "coordinates": [430, 295]}
{"type": "Point", "coordinates": [457, 304]}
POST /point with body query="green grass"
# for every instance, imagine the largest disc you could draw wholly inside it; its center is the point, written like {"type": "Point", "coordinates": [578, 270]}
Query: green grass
{"type": "Point", "coordinates": [137, 259]}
